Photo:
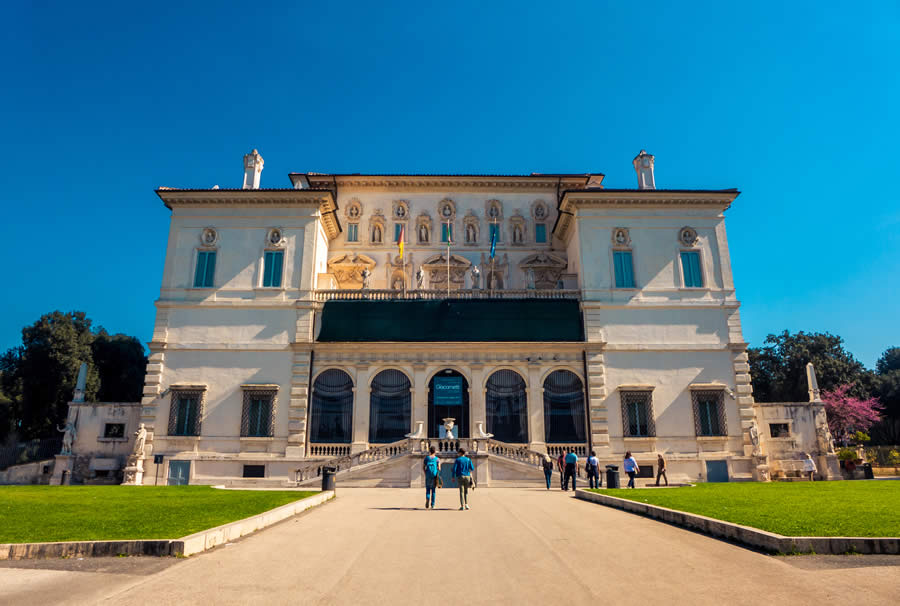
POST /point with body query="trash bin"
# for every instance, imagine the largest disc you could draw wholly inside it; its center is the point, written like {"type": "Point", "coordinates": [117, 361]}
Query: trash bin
{"type": "Point", "coordinates": [328, 478]}
{"type": "Point", "coordinates": [867, 471]}
{"type": "Point", "coordinates": [612, 476]}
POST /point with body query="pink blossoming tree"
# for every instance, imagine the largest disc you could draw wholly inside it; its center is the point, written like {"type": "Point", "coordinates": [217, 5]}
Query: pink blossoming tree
{"type": "Point", "coordinates": [847, 415]}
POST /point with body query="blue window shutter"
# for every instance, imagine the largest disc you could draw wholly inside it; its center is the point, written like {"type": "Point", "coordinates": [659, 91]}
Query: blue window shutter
{"type": "Point", "coordinates": [200, 271]}
{"type": "Point", "coordinates": [695, 268]}
{"type": "Point", "coordinates": [690, 267]}
{"type": "Point", "coordinates": [628, 268]}
{"type": "Point", "coordinates": [617, 262]}
{"type": "Point", "coordinates": [540, 232]}
{"type": "Point", "coordinates": [397, 228]}
{"type": "Point", "coordinates": [352, 233]}
{"type": "Point", "coordinates": [210, 269]}
{"type": "Point", "coordinates": [267, 269]}
{"type": "Point", "coordinates": [277, 262]}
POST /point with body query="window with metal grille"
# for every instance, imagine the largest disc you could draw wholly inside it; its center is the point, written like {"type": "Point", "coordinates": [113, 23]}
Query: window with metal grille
{"type": "Point", "coordinates": [390, 407]}
{"type": "Point", "coordinates": [254, 471]}
{"type": "Point", "coordinates": [258, 418]}
{"type": "Point", "coordinates": [709, 413]}
{"type": "Point", "coordinates": [114, 430]}
{"type": "Point", "coordinates": [564, 408]}
{"type": "Point", "coordinates": [331, 409]}
{"type": "Point", "coordinates": [637, 414]}
{"type": "Point", "coordinates": [185, 413]}
{"type": "Point", "coordinates": [506, 407]}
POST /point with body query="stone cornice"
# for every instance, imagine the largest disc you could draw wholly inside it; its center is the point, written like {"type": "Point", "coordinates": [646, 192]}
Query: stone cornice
{"type": "Point", "coordinates": [445, 183]}
{"type": "Point", "coordinates": [719, 200]}
{"type": "Point", "coordinates": [323, 199]}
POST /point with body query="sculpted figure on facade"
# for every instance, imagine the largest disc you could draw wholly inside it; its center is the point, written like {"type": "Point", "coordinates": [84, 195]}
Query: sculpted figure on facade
{"type": "Point", "coordinates": [476, 277]}
{"type": "Point", "coordinates": [824, 439]}
{"type": "Point", "coordinates": [140, 441]}
{"type": "Point", "coordinates": [366, 274]}
{"type": "Point", "coordinates": [423, 228]}
{"type": "Point", "coordinates": [420, 278]}
{"type": "Point", "coordinates": [69, 434]}
{"type": "Point", "coordinates": [754, 439]}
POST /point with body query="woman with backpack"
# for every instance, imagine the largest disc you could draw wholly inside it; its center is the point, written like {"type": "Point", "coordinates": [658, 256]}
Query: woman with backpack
{"type": "Point", "coordinates": [548, 469]}
{"type": "Point", "coordinates": [432, 468]}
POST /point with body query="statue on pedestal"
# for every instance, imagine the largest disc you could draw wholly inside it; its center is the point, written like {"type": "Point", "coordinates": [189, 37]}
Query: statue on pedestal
{"type": "Point", "coordinates": [366, 274]}
{"type": "Point", "coordinates": [69, 434]}
{"type": "Point", "coordinates": [140, 439]}
{"type": "Point", "coordinates": [448, 427]}
{"type": "Point", "coordinates": [420, 278]}
{"type": "Point", "coordinates": [754, 439]}
{"type": "Point", "coordinates": [476, 277]}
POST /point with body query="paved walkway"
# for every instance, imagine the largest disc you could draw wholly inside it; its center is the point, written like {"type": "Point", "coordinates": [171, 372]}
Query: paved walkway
{"type": "Point", "coordinates": [516, 546]}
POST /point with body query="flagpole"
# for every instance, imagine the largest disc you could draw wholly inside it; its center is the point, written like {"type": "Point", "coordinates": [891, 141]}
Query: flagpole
{"type": "Point", "coordinates": [493, 244]}
{"type": "Point", "coordinates": [449, 237]}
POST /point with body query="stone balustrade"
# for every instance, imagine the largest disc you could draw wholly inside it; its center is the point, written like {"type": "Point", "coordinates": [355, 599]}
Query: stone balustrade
{"type": "Point", "coordinates": [329, 450]}
{"type": "Point", "coordinates": [368, 294]}
{"type": "Point", "coordinates": [554, 450]}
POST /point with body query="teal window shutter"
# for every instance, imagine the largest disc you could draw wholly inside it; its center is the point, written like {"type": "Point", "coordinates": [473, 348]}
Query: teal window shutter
{"type": "Point", "coordinates": [540, 232]}
{"type": "Point", "coordinates": [690, 267]}
{"type": "Point", "coordinates": [206, 269]}
{"type": "Point", "coordinates": [353, 232]}
{"type": "Point", "coordinates": [623, 269]}
{"type": "Point", "coordinates": [272, 265]}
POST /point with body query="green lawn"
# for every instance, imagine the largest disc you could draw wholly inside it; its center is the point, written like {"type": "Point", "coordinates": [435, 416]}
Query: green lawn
{"type": "Point", "coordinates": [37, 514]}
{"type": "Point", "coordinates": [824, 509]}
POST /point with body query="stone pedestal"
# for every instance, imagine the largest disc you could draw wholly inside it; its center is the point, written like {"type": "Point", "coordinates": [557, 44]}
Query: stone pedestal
{"type": "Point", "coordinates": [760, 468]}
{"type": "Point", "coordinates": [134, 471]}
{"type": "Point", "coordinates": [829, 467]}
{"type": "Point", "coordinates": [62, 470]}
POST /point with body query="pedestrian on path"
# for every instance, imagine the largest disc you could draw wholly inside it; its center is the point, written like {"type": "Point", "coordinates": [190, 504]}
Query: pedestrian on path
{"type": "Point", "coordinates": [809, 467]}
{"type": "Point", "coordinates": [593, 470]}
{"type": "Point", "coordinates": [561, 466]}
{"type": "Point", "coordinates": [661, 469]}
{"type": "Point", "coordinates": [571, 470]}
{"type": "Point", "coordinates": [548, 469]}
{"type": "Point", "coordinates": [631, 468]}
{"type": "Point", "coordinates": [462, 471]}
{"type": "Point", "coordinates": [432, 468]}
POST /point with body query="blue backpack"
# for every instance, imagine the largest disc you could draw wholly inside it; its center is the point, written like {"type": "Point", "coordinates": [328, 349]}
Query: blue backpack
{"type": "Point", "coordinates": [432, 466]}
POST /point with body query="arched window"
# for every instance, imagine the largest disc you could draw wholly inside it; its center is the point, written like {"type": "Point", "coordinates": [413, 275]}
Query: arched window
{"type": "Point", "coordinates": [506, 406]}
{"type": "Point", "coordinates": [563, 408]}
{"type": "Point", "coordinates": [390, 406]}
{"type": "Point", "coordinates": [331, 411]}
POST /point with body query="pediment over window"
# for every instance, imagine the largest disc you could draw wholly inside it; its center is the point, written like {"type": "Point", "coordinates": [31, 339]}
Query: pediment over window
{"type": "Point", "coordinates": [436, 265]}
{"type": "Point", "coordinates": [546, 269]}
{"type": "Point", "coordinates": [347, 269]}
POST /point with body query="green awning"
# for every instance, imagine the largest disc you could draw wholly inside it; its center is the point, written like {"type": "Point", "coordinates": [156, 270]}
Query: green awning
{"type": "Point", "coordinates": [452, 320]}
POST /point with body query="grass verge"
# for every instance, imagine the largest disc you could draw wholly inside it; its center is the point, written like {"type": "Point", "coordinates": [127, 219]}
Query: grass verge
{"type": "Point", "coordinates": [820, 509]}
{"type": "Point", "coordinates": [37, 514]}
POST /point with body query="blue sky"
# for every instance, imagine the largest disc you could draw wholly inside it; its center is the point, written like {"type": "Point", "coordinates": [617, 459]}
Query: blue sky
{"type": "Point", "coordinates": [795, 104]}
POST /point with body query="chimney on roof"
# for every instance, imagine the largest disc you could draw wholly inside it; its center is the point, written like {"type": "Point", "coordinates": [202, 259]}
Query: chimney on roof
{"type": "Point", "coordinates": [643, 166]}
{"type": "Point", "coordinates": [253, 165]}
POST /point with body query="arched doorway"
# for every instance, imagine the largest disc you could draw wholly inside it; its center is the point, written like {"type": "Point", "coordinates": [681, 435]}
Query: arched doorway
{"type": "Point", "coordinates": [448, 396]}
{"type": "Point", "coordinates": [331, 409]}
{"type": "Point", "coordinates": [564, 408]}
{"type": "Point", "coordinates": [506, 407]}
{"type": "Point", "coordinates": [390, 406]}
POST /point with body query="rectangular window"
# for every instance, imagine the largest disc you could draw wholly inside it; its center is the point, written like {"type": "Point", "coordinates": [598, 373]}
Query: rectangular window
{"type": "Point", "coordinates": [637, 414]}
{"type": "Point", "coordinates": [494, 232]}
{"type": "Point", "coordinates": [709, 413]}
{"type": "Point", "coordinates": [184, 416]}
{"type": "Point", "coordinates": [206, 269]}
{"type": "Point", "coordinates": [398, 227]}
{"type": "Point", "coordinates": [690, 267]}
{"type": "Point", "coordinates": [114, 430]}
{"type": "Point", "coordinates": [257, 418]}
{"type": "Point", "coordinates": [353, 232]}
{"type": "Point", "coordinates": [254, 471]}
{"type": "Point", "coordinates": [540, 232]}
{"type": "Point", "coordinates": [446, 229]}
{"type": "Point", "coordinates": [272, 268]}
{"type": "Point", "coordinates": [624, 269]}
{"type": "Point", "coordinates": [780, 430]}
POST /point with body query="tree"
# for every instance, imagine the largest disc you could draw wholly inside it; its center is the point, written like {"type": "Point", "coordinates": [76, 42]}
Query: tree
{"type": "Point", "coordinates": [121, 364]}
{"type": "Point", "coordinates": [778, 369]}
{"type": "Point", "coordinates": [847, 414]}
{"type": "Point", "coordinates": [887, 389]}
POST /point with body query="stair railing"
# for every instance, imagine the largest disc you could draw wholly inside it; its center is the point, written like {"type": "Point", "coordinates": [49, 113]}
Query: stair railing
{"type": "Point", "coordinates": [382, 452]}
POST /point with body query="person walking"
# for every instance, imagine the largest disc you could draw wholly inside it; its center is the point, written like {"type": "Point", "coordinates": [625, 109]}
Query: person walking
{"type": "Point", "coordinates": [631, 468]}
{"type": "Point", "coordinates": [593, 470]}
{"type": "Point", "coordinates": [571, 470]}
{"type": "Point", "coordinates": [809, 467]}
{"type": "Point", "coordinates": [548, 469]}
{"type": "Point", "coordinates": [661, 469]}
{"type": "Point", "coordinates": [561, 466]}
{"type": "Point", "coordinates": [462, 471]}
{"type": "Point", "coordinates": [432, 468]}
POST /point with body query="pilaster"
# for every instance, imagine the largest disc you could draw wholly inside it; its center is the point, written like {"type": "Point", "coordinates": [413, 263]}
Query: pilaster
{"type": "Point", "coordinates": [299, 405]}
{"type": "Point", "coordinates": [419, 395]}
{"type": "Point", "coordinates": [477, 407]}
{"type": "Point", "coordinates": [361, 409]}
{"type": "Point", "coordinates": [536, 434]}
{"type": "Point", "coordinates": [597, 392]}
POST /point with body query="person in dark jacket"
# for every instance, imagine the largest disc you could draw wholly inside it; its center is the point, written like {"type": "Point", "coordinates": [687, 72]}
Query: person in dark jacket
{"type": "Point", "coordinates": [571, 469]}
{"type": "Point", "coordinates": [561, 467]}
{"type": "Point", "coordinates": [548, 469]}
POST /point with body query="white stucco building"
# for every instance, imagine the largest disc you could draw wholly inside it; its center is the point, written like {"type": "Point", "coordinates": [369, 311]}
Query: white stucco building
{"type": "Point", "coordinates": [289, 331]}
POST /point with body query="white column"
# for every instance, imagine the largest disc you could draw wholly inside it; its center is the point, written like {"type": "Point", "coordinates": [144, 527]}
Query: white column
{"type": "Point", "coordinates": [361, 409]}
{"type": "Point", "coordinates": [535, 409]}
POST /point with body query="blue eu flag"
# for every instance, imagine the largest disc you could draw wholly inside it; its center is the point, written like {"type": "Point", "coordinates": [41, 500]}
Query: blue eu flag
{"type": "Point", "coordinates": [493, 242]}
